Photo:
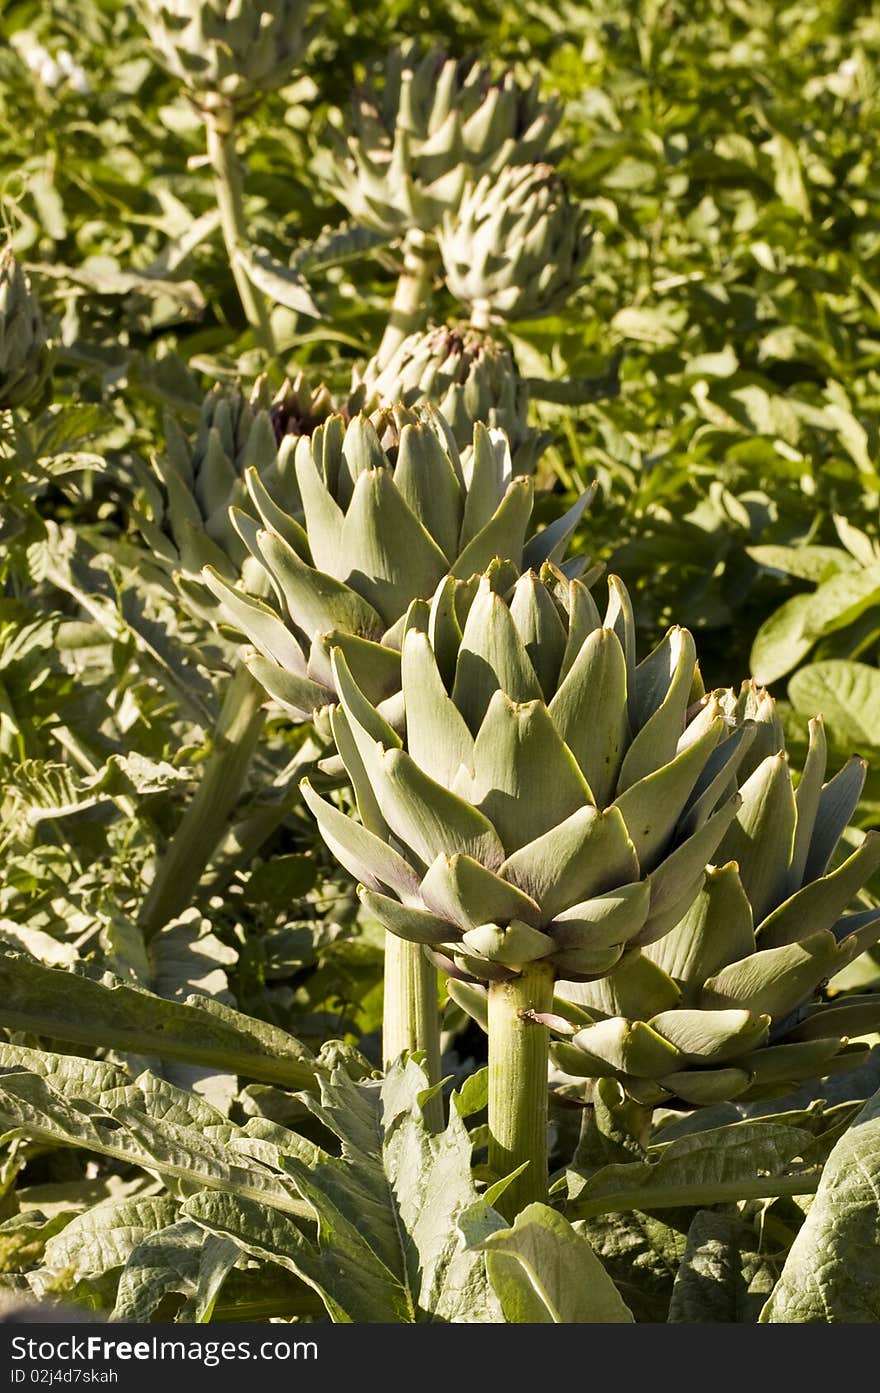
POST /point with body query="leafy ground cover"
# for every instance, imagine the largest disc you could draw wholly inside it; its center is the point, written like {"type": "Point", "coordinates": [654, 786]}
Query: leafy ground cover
{"type": "Point", "coordinates": [207, 1111]}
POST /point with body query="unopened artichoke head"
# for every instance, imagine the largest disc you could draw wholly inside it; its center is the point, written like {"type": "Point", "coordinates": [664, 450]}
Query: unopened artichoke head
{"type": "Point", "coordinates": [514, 247]}
{"type": "Point", "coordinates": [725, 1005]}
{"type": "Point", "coordinates": [228, 51]}
{"type": "Point", "coordinates": [547, 798]}
{"type": "Point", "coordinates": [389, 509]}
{"type": "Point", "coordinates": [24, 356]}
{"type": "Point", "coordinates": [433, 123]}
{"type": "Point", "coordinates": [196, 482]}
{"type": "Point", "coordinates": [468, 375]}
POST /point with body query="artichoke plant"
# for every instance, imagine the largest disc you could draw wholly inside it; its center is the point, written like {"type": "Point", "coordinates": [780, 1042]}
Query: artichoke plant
{"type": "Point", "coordinates": [389, 508]}
{"type": "Point", "coordinates": [469, 376]}
{"type": "Point", "coordinates": [436, 122]}
{"type": "Point", "coordinates": [197, 482]}
{"type": "Point", "coordinates": [513, 247]}
{"type": "Point", "coordinates": [724, 1006]}
{"type": "Point", "coordinates": [227, 51]}
{"type": "Point", "coordinates": [24, 355]}
{"type": "Point", "coordinates": [547, 804]}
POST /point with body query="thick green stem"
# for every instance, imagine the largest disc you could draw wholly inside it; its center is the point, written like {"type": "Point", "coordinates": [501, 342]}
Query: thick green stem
{"type": "Point", "coordinates": [220, 127]}
{"type": "Point", "coordinates": [519, 1049]}
{"type": "Point", "coordinates": [411, 1016]}
{"type": "Point", "coordinates": [410, 297]}
{"type": "Point", "coordinates": [204, 822]}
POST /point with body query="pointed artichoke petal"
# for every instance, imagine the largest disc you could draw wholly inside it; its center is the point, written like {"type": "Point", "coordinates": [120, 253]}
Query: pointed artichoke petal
{"type": "Point", "coordinates": [774, 981]}
{"type": "Point", "coordinates": [820, 904]}
{"type": "Point", "coordinates": [360, 712]}
{"type": "Point", "coordinates": [718, 779]}
{"type": "Point", "coordinates": [374, 667]}
{"type": "Point", "coordinates": [636, 988]}
{"type": "Point", "coordinates": [807, 796]}
{"type": "Point", "coordinates": [513, 945]}
{"type": "Point", "coordinates": [316, 601]}
{"type": "Point", "coordinates": [472, 999]}
{"type": "Point", "coordinates": [458, 888]}
{"type": "Point", "coordinates": [706, 1086]}
{"type": "Point", "coordinates": [628, 1047]}
{"type": "Point", "coordinates": [504, 533]}
{"type": "Point", "coordinates": [428, 483]}
{"type": "Point", "coordinates": [652, 806]}
{"type": "Point", "coordinates": [405, 921]}
{"type": "Point", "coordinates": [491, 657]}
{"type": "Point", "coordinates": [428, 818]}
{"type": "Point", "coordinates": [789, 1064]}
{"type": "Point", "coordinates": [589, 711]}
{"type": "Point", "coordinates": [300, 695]}
{"type": "Point", "coordinates": [715, 931]}
{"type": "Point", "coordinates": [604, 920]}
{"type": "Point", "coordinates": [275, 519]}
{"type": "Point", "coordinates": [664, 683]}
{"type": "Point", "coordinates": [583, 620]}
{"type": "Point", "coordinates": [436, 734]}
{"type": "Point", "coordinates": [551, 543]}
{"type": "Point", "coordinates": [761, 838]}
{"type": "Point", "coordinates": [619, 617]}
{"type": "Point", "coordinates": [837, 803]}
{"type": "Point", "coordinates": [370, 860]}
{"type": "Point", "coordinates": [323, 516]}
{"type": "Point", "coordinates": [711, 1037]}
{"type": "Point", "coordinates": [485, 485]}
{"type": "Point", "coordinates": [537, 621]}
{"type": "Point", "coordinates": [347, 748]}
{"type": "Point", "coordinates": [587, 854]}
{"type": "Point", "coordinates": [587, 962]}
{"type": "Point", "coordinates": [257, 622]}
{"type": "Point", "coordinates": [854, 1016]}
{"type": "Point", "coordinates": [526, 781]}
{"type": "Point", "coordinates": [388, 553]}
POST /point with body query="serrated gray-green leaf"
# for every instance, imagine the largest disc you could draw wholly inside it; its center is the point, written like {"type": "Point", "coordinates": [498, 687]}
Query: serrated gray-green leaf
{"type": "Point", "coordinates": [387, 1246]}
{"type": "Point", "coordinates": [178, 1258]}
{"type": "Point", "coordinates": [713, 1282]}
{"type": "Point", "coordinates": [103, 1236]}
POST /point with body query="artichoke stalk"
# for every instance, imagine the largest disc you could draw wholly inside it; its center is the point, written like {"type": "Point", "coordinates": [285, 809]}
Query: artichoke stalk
{"type": "Point", "coordinates": [225, 53]}
{"type": "Point", "coordinates": [190, 498]}
{"type": "Point", "coordinates": [544, 805]}
{"type": "Point", "coordinates": [390, 508]}
{"type": "Point", "coordinates": [24, 355]}
{"type": "Point", "coordinates": [724, 1007]}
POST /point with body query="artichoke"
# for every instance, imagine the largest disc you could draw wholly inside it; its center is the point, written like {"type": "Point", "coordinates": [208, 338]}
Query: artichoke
{"type": "Point", "coordinates": [724, 1006]}
{"type": "Point", "coordinates": [195, 483]}
{"type": "Point", "coordinates": [390, 509]}
{"type": "Point", "coordinates": [515, 245]}
{"type": "Point", "coordinates": [436, 122]}
{"type": "Point", "coordinates": [227, 51]}
{"type": "Point", "coordinates": [467, 375]}
{"type": "Point", "coordinates": [24, 355]}
{"type": "Point", "coordinates": [550, 801]}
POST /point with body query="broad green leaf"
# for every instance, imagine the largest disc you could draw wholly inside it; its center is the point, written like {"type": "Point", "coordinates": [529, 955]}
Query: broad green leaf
{"type": "Point", "coordinates": [722, 1278]}
{"type": "Point", "coordinates": [832, 1273]}
{"type": "Point", "coordinates": [848, 696]}
{"type": "Point", "coordinates": [179, 1258]}
{"type": "Point", "coordinates": [545, 1272]}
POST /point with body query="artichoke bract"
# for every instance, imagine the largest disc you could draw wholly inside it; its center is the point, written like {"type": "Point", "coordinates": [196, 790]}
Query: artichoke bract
{"type": "Point", "coordinates": [389, 509]}
{"type": "Point", "coordinates": [435, 122]}
{"type": "Point", "coordinates": [226, 51]}
{"type": "Point", "coordinates": [24, 355]}
{"type": "Point", "coordinates": [550, 800]}
{"type": "Point", "coordinates": [514, 246]}
{"type": "Point", "coordinates": [725, 1005]}
{"type": "Point", "coordinates": [197, 482]}
{"type": "Point", "coordinates": [468, 375]}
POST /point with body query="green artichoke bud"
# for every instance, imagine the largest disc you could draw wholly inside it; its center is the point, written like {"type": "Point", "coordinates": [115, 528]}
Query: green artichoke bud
{"type": "Point", "coordinates": [435, 123]}
{"type": "Point", "coordinates": [550, 800]}
{"type": "Point", "coordinates": [468, 376]}
{"type": "Point", "coordinates": [24, 356]}
{"type": "Point", "coordinates": [390, 509]}
{"type": "Point", "coordinates": [227, 51]}
{"type": "Point", "coordinates": [197, 482]}
{"type": "Point", "coordinates": [724, 1007]}
{"type": "Point", "coordinates": [515, 245]}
